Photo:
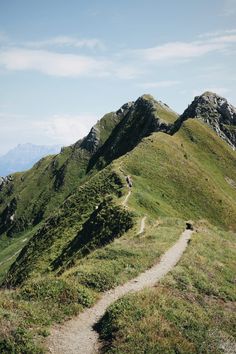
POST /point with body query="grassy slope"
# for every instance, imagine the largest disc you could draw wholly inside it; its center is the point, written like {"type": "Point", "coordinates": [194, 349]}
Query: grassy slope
{"type": "Point", "coordinates": [27, 313]}
{"type": "Point", "coordinates": [175, 178]}
{"type": "Point", "coordinates": [191, 311]}
{"type": "Point", "coordinates": [184, 175]}
{"type": "Point", "coordinates": [43, 188]}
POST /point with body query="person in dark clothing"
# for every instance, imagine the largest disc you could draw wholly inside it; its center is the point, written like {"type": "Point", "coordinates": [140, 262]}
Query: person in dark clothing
{"type": "Point", "coordinates": [129, 181]}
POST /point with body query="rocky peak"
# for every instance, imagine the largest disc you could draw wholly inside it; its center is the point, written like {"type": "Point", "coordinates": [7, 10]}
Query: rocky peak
{"type": "Point", "coordinates": [4, 181]}
{"type": "Point", "coordinates": [216, 112]}
{"type": "Point", "coordinates": [125, 108]}
{"type": "Point", "coordinates": [92, 140]}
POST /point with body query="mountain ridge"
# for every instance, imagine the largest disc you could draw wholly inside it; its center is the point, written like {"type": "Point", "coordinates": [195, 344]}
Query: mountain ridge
{"type": "Point", "coordinates": [69, 232]}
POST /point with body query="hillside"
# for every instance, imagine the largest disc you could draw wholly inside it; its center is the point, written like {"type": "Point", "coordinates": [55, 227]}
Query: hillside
{"type": "Point", "coordinates": [78, 236]}
{"type": "Point", "coordinates": [29, 197]}
{"type": "Point", "coordinates": [23, 157]}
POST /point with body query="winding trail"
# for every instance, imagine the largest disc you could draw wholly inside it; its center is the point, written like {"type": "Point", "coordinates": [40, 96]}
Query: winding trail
{"type": "Point", "coordinates": [142, 225]}
{"type": "Point", "coordinates": [125, 201]}
{"type": "Point", "coordinates": [77, 336]}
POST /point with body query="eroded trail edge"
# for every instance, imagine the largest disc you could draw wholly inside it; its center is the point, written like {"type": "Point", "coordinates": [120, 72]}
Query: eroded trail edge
{"type": "Point", "coordinates": [77, 335]}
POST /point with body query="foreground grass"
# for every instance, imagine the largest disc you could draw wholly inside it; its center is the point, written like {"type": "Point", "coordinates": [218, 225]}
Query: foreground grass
{"type": "Point", "coordinates": [27, 313]}
{"type": "Point", "coordinates": [191, 311]}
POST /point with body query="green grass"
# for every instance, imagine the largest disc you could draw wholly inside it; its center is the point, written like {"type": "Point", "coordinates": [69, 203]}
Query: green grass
{"type": "Point", "coordinates": [184, 175]}
{"type": "Point", "coordinates": [87, 242]}
{"type": "Point", "coordinates": [42, 301]}
{"type": "Point", "coordinates": [191, 311]}
{"type": "Point", "coordinates": [41, 190]}
{"type": "Point", "coordinates": [10, 248]}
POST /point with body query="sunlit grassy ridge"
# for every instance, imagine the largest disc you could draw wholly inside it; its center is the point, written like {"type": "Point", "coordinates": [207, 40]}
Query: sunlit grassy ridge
{"type": "Point", "coordinates": [86, 242]}
{"type": "Point", "coordinates": [184, 175]}
{"type": "Point", "coordinates": [191, 311]}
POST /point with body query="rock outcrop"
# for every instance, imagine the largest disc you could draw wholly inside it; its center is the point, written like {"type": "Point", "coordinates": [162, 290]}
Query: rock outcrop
{"type": "Point", "coordinates": [4, 181]}
{"type": "Point", "coordinates": [216, 112]}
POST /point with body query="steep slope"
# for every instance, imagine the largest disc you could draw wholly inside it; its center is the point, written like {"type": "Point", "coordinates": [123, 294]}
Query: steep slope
{"type": "Point", "coordinates": [216, 112]}
{"type": "Point", "coordinates": [196, 186]}
{"type": "Point", "coordinates": [186, 175]}
{"type": "Point", "coordinates": [90, 240]}
{"type": "Point", "coordinates": [145, 116]}
{"type": "Point", "coordinates": [27, 198]}
{"type": "Point", "coordinates": [24, 156]}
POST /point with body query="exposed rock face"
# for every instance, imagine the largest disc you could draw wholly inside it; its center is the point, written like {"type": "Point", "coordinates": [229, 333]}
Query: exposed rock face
{"type": "Point", "coordinates": [92, 140]}
{"type": "Point", "coordinates": [216, 112]}
{"type": "Point", "coordinates": [139, 119]}
{"type": "Point", "coordinates": [4, 181]}
{"type": "Point", "coordinates": [125, 108]}
{"type": "Point", "coordinates": [8, 215]}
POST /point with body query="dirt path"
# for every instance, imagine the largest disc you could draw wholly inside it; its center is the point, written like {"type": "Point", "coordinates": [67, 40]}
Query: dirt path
{"type": "Point", "coordinates": [125, 201]}
{"type": "Point", "coordinates": [77, 335]}
{"type": "Point", "coordinates": [142, 225]}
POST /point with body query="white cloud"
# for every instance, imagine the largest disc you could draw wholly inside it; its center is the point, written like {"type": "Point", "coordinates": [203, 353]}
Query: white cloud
{"type": "Point", "coordinates": [217, 33]}
{"type": "Point", "coordinates": [188, 50]}
{"type": "Point", "coordinates": [127, 64]}
{"type": "Point", "coordinates": [178, 50]}
{"type": "Point", "coordinates": [65, 64]}
{"type": "Point", "coordinates": [159, 84]}
{"type": "Point", "coordinates": [229, 7]}
{"type": "Point", "coordinates": [59, 129]}
{"type": "Point", "coordinates": [66, 129]}
{"type": "Point", "coordinates": [51, 63]}
{"type": "Point", "coordinates": [67, 41]}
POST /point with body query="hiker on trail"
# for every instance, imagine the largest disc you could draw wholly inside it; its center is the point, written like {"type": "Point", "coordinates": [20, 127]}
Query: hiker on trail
{"type": "Point", "coordinates": [129, 181]}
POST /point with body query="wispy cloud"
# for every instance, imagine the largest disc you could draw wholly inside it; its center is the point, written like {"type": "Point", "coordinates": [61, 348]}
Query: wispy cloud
{"type": "Point", "coordinates": [229, 7]}
{"type": "Point", "coordinates": [52, 63]}
{"type": "Point", "coordinates": [66, 129]}
{"type": "Point", "coordinates": [65, 64]}
{"type": "Point", "coordinates": [159, 84]}
{"type": "Point", "coordinates": [187, 50]}
{"type": "Point", "coordinates": [67, 41]}
{"type": "Point", "coordinates": [127, 64]}
{"type": "Point", "coordinates": [217, 33]}
{"type": "Point", "coordinates": [58, 129]}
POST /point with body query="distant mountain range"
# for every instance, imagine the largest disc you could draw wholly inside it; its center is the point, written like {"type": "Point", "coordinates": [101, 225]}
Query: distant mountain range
{"type": "Point", "coordinates": [24, 156]}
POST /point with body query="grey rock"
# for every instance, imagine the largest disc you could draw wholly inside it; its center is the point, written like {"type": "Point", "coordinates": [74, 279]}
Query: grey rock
{"type": "Point", "coordinates": [216, 112]}
{"type": "Point", "coordinates": [92, 140]}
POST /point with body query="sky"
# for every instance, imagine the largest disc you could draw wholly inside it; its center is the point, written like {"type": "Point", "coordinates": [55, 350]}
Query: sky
{"type": "Point", "coordinates": [65, 63]}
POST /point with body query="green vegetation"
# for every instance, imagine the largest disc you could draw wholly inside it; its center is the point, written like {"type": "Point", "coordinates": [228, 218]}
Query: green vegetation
{"type": "Point", "coordinates": [33, 195]}
{"type": "Point", "coordinates": [184, 175]}
{"type": "Point", "coordinates": [79, 240]}
{"type": "Point", "coordinates": [31, 309]}
{"type": "Point", "coordinates": [191, 311]}
{"type": "Point", "coordinates": [63, 227]}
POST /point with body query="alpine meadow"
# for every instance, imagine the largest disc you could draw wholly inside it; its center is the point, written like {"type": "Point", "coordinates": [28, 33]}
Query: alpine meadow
{"type": "Point", "coordinates": [70, 232]}
{"type": "Point", "coordinates": [117, 177]}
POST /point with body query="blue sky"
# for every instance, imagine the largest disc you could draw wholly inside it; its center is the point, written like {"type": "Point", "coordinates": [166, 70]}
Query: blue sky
{"type": "Point", "coordinates": [63, 64]}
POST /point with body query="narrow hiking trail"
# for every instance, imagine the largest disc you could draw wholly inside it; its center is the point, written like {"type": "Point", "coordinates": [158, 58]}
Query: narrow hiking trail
{"type": "Point", "coordinates": [125, 201]}
{"type": "Point", "coordinates": [77, 336]}
{"type": "Point", "coordinates": [142, 225]}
